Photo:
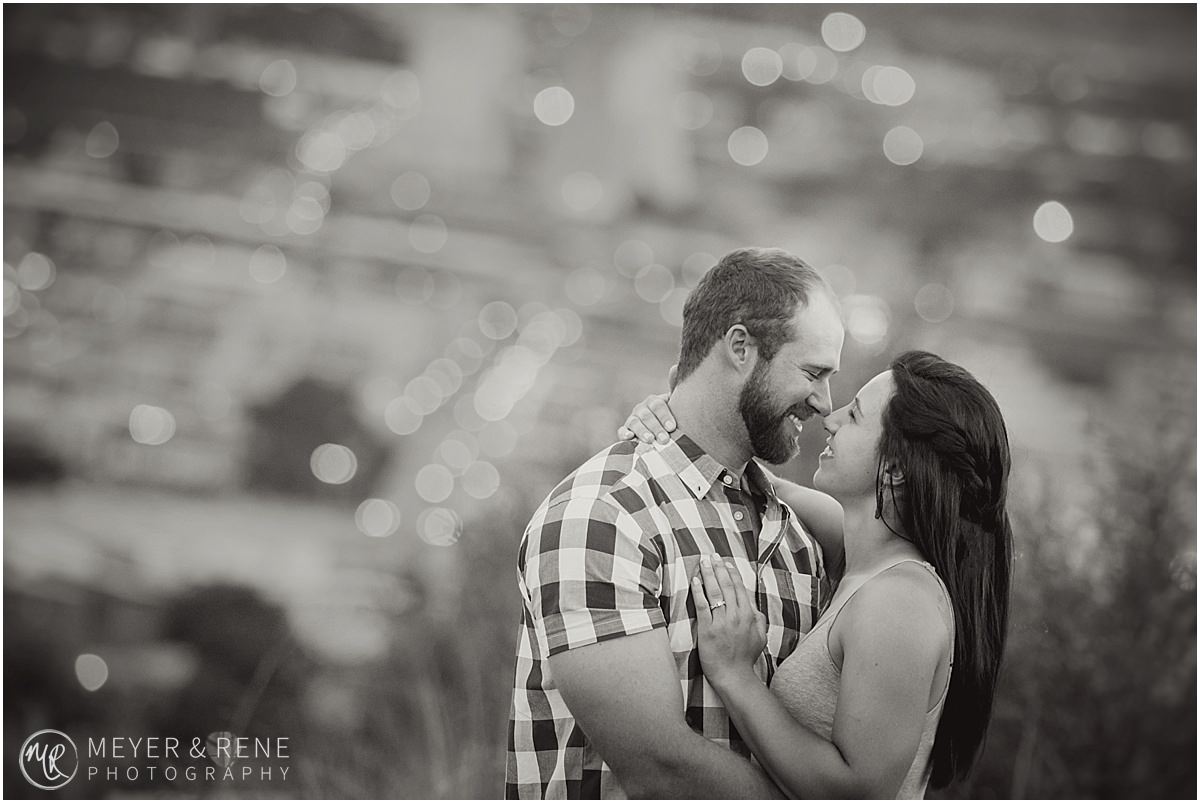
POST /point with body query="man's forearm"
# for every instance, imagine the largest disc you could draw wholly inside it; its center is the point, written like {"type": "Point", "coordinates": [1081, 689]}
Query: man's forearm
{"type": "Point", "coordinates": [694, 767]}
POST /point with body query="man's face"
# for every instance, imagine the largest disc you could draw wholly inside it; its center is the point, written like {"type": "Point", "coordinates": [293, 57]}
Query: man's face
{"type": "Point", "coordinates": [784, 392]}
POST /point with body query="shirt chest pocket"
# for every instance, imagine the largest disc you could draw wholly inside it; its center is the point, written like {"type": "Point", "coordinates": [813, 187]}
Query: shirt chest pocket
{"type": "Point", "coordinates": [788, 596]}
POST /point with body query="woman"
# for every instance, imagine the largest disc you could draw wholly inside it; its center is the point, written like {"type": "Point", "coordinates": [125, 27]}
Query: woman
{"type": "Point", "coordinates": [892, 688]}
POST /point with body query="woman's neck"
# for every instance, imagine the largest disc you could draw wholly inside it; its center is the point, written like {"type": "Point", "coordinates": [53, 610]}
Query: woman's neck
{"type": "Point", "coordinates": [868, 540]}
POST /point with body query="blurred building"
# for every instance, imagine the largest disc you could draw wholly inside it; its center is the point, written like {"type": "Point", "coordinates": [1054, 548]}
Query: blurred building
{"type": "Point", "coordinates": [398, 268]}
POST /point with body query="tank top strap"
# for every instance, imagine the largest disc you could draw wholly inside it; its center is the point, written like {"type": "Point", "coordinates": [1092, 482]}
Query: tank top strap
{"type": "Point", "coordinates": [872, 576]}
{"type": "Point", "coordinates": [832, 619]}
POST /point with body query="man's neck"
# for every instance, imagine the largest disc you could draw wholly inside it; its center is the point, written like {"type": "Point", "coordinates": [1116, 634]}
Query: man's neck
{"type": "Point", "coordinates": [712, 421]}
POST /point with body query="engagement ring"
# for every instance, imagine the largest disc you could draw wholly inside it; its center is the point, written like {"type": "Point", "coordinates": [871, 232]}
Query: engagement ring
{"type": "Point", "coordinates": [716, 605]}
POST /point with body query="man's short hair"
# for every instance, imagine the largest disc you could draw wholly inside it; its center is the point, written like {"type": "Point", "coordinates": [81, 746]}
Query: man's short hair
{"type": "Point", "coordinates": [756, 287]}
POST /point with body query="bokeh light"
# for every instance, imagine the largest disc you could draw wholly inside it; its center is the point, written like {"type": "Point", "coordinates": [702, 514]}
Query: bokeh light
{"type": "Point", "coordinates": [356, 129]}
{"type": "Point", "coordinates": [654, 283]}
{"type": "Point", "coordinates": [401, 416]}
{"type": "Point", "coordinates": [410, 191]}
{"type": "Point", "coordinates": [582, 191]}
{"type": "Point", "coordinates": [497, 320]}
{"type": "Point", "coordinates": [586, 286]}
{"type": "Point", "coordinates": [402, 91]}
{"type": "Point", "coordinates": [481, 479]}
{"type": "Point", "coordinates": [150, 425]}
{"type": "Point", "coordinates": [867, 318]}
{"type": "Point", "coordinates": [268, 264]}
{"type": "Point", "coordinates": [424, 393]}
{"type": "Point", "coordinates": [439, 526]}
{"type": "Point", "coordinates": [35, 272]}
{"type": "Point", "coordinates": [747, 146]}
{"type": "Point", "coordinates": [902, 145]}
{"type": "Point", "coordinates": [278, 78]}
{"type": "Point", "coordinates": [434, 482]}
{"type": "Point", "coordinates": [631, 256]}
{"type": "Point", "coordinates": [12, 297]}
{"type": "Point", "coordinates": [888, 86]}
{"type": "Point", "coordinates": [934, 302]}
{"type": "Point", "coordinates": [1053, 222]}
{"type": "Point", "coordinates": [428, 234]}
{"type": "Point", "coordinates": [458, 450]}
{"type": "Point", "coordinates": [377, 518]}
{"type": "Point", "coordinates": [554, 105]}
{"type": "Point", "coordinates": [91, 671]}
{"type": "Point", "coordinates": [102, 141]}
{"type": "Point", "coordinates": [825, 65]}
{"type": "Point", "coordinates": [447, 374]}
{"type": "Point", "coordinates": [333, 463]}
{"type": "Point", "coordinates": [798, 61]}
{"type": "Point", "coordinates": [572, 326]}
{"type": "Point", "coordinates": [321, 151]}
{"type": "Point", "coordinates": [841, 279]}
{"type": "Point", "coordinates": [762, 66]}
{"type": "Point", "coordinates": [843, 32]}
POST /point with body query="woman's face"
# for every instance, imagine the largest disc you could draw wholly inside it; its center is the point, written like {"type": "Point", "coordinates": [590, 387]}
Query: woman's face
{"type": "Point", "coordinates": [848, 466]}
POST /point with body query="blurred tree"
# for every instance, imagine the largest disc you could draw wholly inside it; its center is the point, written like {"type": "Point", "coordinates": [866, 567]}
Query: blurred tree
{"type": "Point", "coordinates": [250, 667]}
{"type": "Point", "coordinates": [30, 462]}
{"type": "Point", "coordinates": [288, 428]}
{"type": "Point", "coordinates": [1098, 694]}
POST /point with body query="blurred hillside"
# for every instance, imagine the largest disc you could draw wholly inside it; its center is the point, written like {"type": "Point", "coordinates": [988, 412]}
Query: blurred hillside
{"type": "Point", "coordinates": [309, 306]}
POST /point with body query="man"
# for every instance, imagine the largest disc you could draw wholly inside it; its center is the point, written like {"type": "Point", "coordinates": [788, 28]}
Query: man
{"type": "Point", "coordinates": [609, 699]}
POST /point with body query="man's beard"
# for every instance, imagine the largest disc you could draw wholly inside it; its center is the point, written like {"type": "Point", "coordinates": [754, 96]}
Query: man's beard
{"type": "Point", "coordinates": [772, 436]}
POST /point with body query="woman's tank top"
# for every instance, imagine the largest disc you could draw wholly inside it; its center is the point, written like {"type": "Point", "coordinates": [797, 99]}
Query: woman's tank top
{"type": "Point", "coordinates": [808, 682]}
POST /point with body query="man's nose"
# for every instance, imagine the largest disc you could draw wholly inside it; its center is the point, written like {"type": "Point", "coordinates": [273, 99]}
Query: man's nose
{"type": "Point", "coordinates": [820, 400]}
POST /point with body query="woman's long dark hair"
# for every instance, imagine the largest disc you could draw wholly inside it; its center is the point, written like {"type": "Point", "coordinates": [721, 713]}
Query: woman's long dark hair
{"type": "Point", "coordinates": [944, 432]}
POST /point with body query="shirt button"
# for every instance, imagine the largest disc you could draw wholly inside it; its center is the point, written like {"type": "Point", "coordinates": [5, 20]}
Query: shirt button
{"type": "Point", "coordinates": [738, 515]}
{"type": "Point", "coordinates": [728, 480]}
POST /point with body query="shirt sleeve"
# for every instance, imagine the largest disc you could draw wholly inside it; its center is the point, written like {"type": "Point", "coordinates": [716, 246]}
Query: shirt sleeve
{"type": "Point", "coordinates": [591, 574]}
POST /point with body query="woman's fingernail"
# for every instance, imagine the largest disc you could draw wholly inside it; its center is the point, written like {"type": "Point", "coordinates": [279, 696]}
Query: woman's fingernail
{"type": "Point", "coordinates": [705, 560]}
{"type": "Point", "coordinates": [662, 437]}
{"type": "Point", "coordinates": [670, 425]}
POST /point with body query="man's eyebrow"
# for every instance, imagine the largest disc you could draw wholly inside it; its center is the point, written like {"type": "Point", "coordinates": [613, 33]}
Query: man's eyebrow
{"type": "Point", "coordinates": [820, 369]}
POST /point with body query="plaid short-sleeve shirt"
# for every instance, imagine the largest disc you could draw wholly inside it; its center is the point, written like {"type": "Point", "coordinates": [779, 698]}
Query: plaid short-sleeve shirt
{"type": "Point", "coordinates": [610, 553]}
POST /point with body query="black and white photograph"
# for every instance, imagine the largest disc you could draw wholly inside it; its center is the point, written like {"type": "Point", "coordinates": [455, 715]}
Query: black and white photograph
{"type": "Point", "coordinates": [599, 401]}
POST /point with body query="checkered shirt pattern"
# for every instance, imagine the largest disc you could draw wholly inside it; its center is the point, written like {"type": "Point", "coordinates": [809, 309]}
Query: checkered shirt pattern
{"type": "Point", "coordinates": [610, 553]}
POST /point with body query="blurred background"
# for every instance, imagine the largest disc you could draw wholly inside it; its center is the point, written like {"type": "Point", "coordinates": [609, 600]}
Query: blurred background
{"type": "Point", "coordinates": [306, 307]}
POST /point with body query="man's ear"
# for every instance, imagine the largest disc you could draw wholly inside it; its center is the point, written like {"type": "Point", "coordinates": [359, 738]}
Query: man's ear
{"type": "Point", "coordinates": [741, 349]}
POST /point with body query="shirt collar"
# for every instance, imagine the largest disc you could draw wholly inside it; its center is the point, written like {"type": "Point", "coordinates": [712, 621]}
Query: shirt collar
{"type": "Point", "coordinates": [700, 471]}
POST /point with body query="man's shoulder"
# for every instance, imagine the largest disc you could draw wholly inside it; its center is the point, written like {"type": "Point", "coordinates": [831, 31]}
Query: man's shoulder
{"type": "Point", "coordinates": [599, 478]}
